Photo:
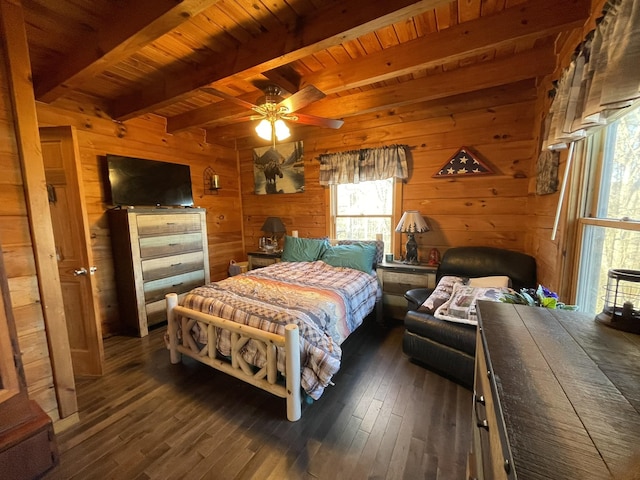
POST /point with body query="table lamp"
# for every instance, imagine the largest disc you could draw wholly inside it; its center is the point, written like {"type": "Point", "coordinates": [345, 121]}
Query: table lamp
{"type": "Point", "coordinates": [274, 227]}
{"type": "Point", "coordinates": [411, 223]}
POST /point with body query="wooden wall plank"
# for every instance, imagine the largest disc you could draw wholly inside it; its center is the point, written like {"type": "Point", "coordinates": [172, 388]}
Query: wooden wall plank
{"type": "Point", "coordinates": [27, 142]}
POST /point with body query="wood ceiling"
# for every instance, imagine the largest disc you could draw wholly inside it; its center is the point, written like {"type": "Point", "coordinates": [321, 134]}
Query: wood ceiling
{"type": "Point", "coordinates": [127, 58]}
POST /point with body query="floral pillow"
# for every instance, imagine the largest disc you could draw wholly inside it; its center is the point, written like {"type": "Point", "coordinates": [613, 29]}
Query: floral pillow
{"type": "Point", "coordinates": [440, 294]}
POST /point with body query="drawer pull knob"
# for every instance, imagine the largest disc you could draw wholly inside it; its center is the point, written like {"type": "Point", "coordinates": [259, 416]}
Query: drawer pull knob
{"type": "Point", "coordinates": [177, 284]}
{"type": "Point", "coordinates": [176, 264]}
{"type": "Point", "coordinates": [507, 465]}
{"type": "Point", "coordinates": [171, 223]}
{"type": "Point", "coordinates": [483, 424]}
{"type": "Point", "coordinates": [480, 400]}
{"type": "Point", "coordinates": [173, 244]}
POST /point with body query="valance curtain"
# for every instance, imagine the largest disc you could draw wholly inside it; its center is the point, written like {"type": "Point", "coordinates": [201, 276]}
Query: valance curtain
{"type": "Point", "coordinates": [603, 78]}
{"type": "Point", "coordinates": [364, 165]}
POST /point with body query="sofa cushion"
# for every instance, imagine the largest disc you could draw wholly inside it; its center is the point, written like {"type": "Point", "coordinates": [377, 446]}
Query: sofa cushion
{"type": "Point", "coordinates": [455, 335]}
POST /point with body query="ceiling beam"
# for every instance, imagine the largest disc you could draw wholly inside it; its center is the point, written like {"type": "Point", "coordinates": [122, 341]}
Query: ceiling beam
{"type": "Point", "coordinates": [331, 26]}
{"type": "Point", "coordinates": [534, 19]}
{"type": "Point", "coordinates": [522, 66]}
{"type": "Point", "coordinates": [531, 20]}
{"type": "Point", "coordinates": [142, 22]}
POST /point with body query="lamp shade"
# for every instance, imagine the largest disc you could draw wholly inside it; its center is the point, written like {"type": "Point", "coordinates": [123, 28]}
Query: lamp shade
{"type": "Point", "coordinates": [273, 225]}
{"type": "Point", "coordinates": [412, 222]}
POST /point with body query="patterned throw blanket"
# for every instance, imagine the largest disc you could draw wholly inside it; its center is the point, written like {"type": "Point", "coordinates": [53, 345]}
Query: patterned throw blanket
{"type": "Point", "coordinates": [326, 303]}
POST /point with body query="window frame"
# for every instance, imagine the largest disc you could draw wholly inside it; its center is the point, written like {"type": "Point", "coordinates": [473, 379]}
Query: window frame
{"type": "Point", "coordinates": [590, 162]}
{"type": "Point", "coordinates": [396, 210]}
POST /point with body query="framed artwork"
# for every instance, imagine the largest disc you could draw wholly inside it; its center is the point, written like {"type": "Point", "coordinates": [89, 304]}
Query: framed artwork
{"type": "Point", "coordinates": [279, 169]}
{"type": "Point", "coordinates": [463, 163]}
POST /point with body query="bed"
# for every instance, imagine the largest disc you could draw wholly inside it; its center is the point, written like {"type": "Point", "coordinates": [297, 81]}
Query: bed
{"type": "Point", "coordinates": [248, 325]}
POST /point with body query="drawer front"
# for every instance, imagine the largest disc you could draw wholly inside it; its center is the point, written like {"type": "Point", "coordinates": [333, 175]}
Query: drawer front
{"type": "Point", "coordinates": [157, 311]}
{"type": "Point", "coordinates": [163, 224]}
{"type": "Point", "coordinates": [399, 283]}
{"type": "Point", "coordinates": [157, 289]}
{"type": "Point", "coordinates": [163, 267]}
{"type": "Point", "coordinates": [493, 454]}
{"type": "Point", "coordinates": [170, 245]}
{"type": "Point", "coordinates": [257, 262]}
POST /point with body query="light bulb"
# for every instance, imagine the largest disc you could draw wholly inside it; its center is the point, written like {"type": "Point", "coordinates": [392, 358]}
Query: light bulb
{"type": "Point", "coordinates": [263, 129]}
{"type": "Point", "coordinates": [282, 131]}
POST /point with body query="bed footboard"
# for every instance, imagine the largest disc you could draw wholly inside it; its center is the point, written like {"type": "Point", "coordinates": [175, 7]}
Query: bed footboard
{"type": "Point", "coordinates": [182, 343]}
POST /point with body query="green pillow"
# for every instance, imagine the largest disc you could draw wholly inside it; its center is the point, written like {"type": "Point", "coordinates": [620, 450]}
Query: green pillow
{"type": "Point", "coordinates": [303, 249]}
{"type": "Point", "coordinates": [359, 256]}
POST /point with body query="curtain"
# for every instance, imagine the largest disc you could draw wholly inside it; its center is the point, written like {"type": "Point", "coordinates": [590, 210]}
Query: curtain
{"type": "Point", "coordinates": [364, 165]}
{"type": "Point", "coordinates": [603, 78]}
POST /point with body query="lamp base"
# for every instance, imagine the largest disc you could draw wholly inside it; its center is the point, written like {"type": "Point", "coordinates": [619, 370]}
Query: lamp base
{"type": "Point", "coordinates": [412, 249]}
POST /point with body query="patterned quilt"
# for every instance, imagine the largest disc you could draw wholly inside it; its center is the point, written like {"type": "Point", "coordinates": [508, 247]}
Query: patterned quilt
{"type": "Point", "coordinates": [326, 303]}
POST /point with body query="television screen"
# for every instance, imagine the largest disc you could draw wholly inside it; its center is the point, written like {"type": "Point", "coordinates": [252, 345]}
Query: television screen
{"type": "Point", "coordinates": [139, 182]}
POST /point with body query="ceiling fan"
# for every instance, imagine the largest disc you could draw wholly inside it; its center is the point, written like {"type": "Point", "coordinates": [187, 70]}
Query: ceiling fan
{"type": "Point", "coordinates": [272, 109]}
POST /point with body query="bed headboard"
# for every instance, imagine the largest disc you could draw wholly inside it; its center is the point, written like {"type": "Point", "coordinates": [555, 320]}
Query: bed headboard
{"type": "Point", "coordinates": [378, 243]}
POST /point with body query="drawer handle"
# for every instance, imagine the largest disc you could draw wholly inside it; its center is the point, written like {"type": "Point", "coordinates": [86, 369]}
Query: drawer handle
{"type": "Point", "coordinates": [173, 244]}
{"type": "Point", "coordinates": [483, 424]}
{"type": "Point", "coordinates": [176, 264]}
{"type": "Point", "coordinates": [177, 284]}
{"type": "Point", "coordinates": [171, 223]}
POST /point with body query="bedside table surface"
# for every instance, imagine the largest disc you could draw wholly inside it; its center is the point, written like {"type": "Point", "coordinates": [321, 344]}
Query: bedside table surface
{"type": "Point", "coordinates": [265, 254]}
{"type": "Point", "coordinates": [408, 267]}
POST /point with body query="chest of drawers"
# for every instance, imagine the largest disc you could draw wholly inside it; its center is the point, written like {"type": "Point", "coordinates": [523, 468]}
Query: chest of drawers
{"type": "Point", "coordinates": [156, 251]}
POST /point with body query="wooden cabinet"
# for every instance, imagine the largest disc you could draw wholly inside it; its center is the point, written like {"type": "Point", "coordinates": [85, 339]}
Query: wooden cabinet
{"type": "Point", "coordinates": [556, 396]}
{"type": "Point", "coordinates": [262, 259]}
{"type": "Point", "coordinates": [396, 279]}
{"type": "Point", "coordinates": [156, 251]}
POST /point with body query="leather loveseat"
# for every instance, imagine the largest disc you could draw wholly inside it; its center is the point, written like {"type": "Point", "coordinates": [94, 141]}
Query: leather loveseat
{"type": "Point", "coordinates": [448, 347]}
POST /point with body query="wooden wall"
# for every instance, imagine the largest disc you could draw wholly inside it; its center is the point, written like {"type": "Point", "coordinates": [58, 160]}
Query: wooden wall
{"type": "Point", "coordinates": [97, 135]}
{"type": "Point", "coordinates": [499, 124]}
{"type": "Point", "coordinates": [146, 138]}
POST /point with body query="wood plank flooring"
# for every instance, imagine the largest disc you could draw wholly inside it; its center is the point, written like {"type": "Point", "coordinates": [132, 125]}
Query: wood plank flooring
{"type": "Point", "coordinates": [385, 418]}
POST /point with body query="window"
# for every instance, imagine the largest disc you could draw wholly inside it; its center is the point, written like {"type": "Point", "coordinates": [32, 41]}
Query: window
{"type": "Point", "coordinates": [610, 220]}
{"type": "Point", "coordinates": [360, 211]}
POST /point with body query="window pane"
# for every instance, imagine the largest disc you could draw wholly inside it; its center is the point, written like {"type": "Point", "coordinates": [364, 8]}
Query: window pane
{"type": "Point", "coordinates": [604, 249]}
{"type": "Point", "coordinates": [366, 198]}
{"type": "Point", "coordinates": [620, 185]}
{"type": "Point", "coordinates": [364, 228]}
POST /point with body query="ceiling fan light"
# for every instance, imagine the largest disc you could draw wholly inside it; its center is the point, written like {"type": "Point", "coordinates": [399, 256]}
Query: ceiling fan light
{"type": "Point", "coordinates": [282, 131]}
{"type": "Point", "coordinates": [263, 129]}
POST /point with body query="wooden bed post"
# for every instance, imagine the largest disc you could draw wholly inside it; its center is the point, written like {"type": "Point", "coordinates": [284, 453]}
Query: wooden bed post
{"type": "Point", "coordinates": [172, 301]}
{"type": "Point", "coordinates": [294, 395]}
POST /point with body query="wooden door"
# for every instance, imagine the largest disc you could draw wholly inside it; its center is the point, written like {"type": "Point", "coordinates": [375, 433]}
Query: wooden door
{"type": "Point", "coordinates": [73, 248]}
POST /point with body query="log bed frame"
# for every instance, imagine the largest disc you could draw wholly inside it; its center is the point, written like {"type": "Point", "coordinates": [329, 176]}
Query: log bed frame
{"type": "Point", "coordinates": [265, 378]}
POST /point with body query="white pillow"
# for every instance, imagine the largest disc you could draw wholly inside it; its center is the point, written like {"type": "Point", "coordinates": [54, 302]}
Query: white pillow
{"type": "Point", "coordinates": [440, 294]}
{"type": "Point", "coordinates": [461, 307]}
{"type": "Point", "coordinates": [495, 281]}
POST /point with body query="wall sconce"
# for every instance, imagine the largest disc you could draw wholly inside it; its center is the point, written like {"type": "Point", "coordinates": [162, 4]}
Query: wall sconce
{"type": "Point", "coordinates": [211, 181]}
{"type": "Point", "coordinates": [411, 223]}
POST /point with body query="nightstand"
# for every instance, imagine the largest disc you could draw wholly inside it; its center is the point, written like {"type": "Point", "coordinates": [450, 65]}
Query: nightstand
{"type": "Point", "coordinates": [262, 259]}
{"type": "Point", "coordinates": [396, 278]}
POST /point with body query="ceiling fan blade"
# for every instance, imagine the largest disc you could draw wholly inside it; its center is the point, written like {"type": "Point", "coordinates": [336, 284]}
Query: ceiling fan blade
{"type": "Point", "coordinates": [318, 121]}
{"type": "Point", "coordinates": [231, 98]}
{"type": "Point", "coordinates": [302, 98]}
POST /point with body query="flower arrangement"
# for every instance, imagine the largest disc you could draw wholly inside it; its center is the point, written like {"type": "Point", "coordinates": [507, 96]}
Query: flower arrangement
{"type": "Point", "coordinates": [537, 297]}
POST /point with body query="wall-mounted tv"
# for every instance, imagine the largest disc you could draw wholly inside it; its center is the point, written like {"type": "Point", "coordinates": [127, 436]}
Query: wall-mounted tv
{"type": "Point", "coordinates": [140, 182]}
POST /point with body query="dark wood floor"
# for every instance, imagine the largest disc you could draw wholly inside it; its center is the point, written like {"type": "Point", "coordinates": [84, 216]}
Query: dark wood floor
{"type": "Point", "coordinates": [385, 418]}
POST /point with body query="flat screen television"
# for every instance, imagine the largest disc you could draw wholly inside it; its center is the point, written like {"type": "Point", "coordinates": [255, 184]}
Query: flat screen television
{"type": "Point", "coordinates": [140, 182]}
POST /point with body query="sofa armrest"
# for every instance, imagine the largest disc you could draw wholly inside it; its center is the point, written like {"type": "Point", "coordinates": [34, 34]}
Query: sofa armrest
{"type": "Point", "coordinates": [416, 297]}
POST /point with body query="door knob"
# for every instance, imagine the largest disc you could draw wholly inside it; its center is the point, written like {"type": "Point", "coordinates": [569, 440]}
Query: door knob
{"type": "Point", "coordinates": [80, 271]}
